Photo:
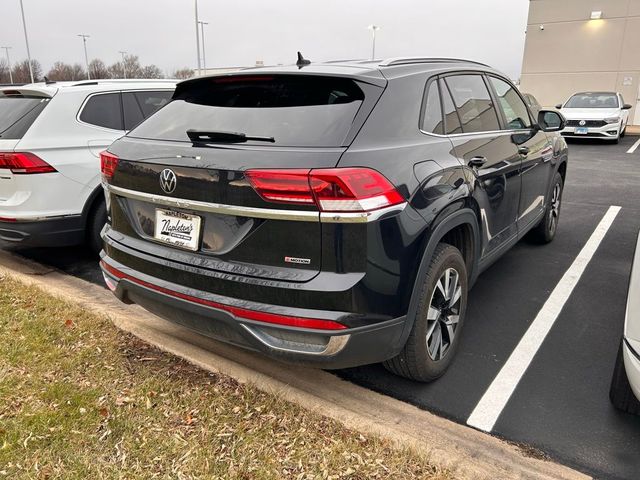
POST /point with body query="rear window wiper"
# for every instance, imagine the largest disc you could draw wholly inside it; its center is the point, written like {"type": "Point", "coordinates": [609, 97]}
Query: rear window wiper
{"type": "Point", "coordinates": [224, 137]}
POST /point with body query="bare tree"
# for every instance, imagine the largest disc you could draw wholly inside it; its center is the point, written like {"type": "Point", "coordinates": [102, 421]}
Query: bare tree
{"type": "Point", "coordinates": [21, 71]}
{"type": "Point", "coordinates": [151, 71]}
{"type": "Point", "coordinates": [4, 71]}
{"type": "Point", "coordinates": [98, 69]}
{"type": "Point", "coordinates": [133, 69]}
{"type": "Point", "coordinates": [183, 73]}
{"type": "Point", "coordinates": [63, 71]}
{"type": "Point", "coordinates": [78, 72]}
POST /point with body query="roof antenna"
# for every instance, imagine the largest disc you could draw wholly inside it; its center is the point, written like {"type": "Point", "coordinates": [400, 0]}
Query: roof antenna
{"type": "Point", "coordinates": [48, 82]}
{"type": "Point", "coordinates": [302, 61]}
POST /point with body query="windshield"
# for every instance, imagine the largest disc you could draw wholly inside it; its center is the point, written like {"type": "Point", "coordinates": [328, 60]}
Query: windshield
{"type": "Point", "coordinates": [295, 110]}
{"type": "Point", "coordinates": [17, 113]}
{"type": "Point", "coordinates": [593, 100]}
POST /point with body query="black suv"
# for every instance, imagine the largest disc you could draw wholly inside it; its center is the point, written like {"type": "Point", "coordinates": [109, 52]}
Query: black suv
{"type": "Point", "coordinates": [330, 214]}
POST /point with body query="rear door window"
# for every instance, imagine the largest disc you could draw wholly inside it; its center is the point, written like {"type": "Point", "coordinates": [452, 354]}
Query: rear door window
{"type": "Point", "coordinates": [17, 114]}
{"type": "Point", "coordinates": [515, 111]}
{"type": "Point", "coordinates": [104, 110]}
{"type": "Point", "coordinates": [139, 105]}
{"type": "Point", "coordinates": [432, 118]}
{"type": "Point", "coordinates": [473, 103]}
{"type": "Point", "coordinates": [296, 110]}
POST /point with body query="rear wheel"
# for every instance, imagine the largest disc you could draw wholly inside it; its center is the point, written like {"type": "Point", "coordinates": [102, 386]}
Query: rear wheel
{"type": "Point", "coordinates": [95, 222]}
{"type": "Point", "coordinates": [435, 334]}
{"type": "Point", "coordinates": [545, 231]}
{"type": "Point", "coordinates": [620, 393]}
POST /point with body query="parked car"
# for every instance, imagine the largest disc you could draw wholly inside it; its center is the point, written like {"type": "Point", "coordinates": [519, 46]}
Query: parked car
{"type": "Point", "coordinates": [595, 114]}
{"type": "Point", "coordinates": [625, 385]}
{"type": "Point", "coordinates": [532, 103]}
{"type": "Point", "coordinates": [51, 136]}
{"type": "Point", "coordinates": [330, 214]}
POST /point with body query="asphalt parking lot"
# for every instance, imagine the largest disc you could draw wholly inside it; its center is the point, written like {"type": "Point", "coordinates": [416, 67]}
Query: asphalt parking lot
{"type": "Point", "coordinates": [560, 406]}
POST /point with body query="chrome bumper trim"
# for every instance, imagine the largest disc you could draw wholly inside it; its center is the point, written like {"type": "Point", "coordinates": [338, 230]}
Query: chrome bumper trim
{"type": "Point", "coordinates": [267, 213]}
{"type": "Point", "coordinates": [334, 345]}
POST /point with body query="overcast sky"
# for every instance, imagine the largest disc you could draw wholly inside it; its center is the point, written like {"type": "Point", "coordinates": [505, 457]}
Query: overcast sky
{"type": "Point", "coordinates": [243, 31]}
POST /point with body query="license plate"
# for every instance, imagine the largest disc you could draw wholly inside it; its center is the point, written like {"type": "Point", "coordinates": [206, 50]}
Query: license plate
{"type": "Point", "coordinates": [177, 229]}
{"type": "Point", "coordinates": [582, 131]}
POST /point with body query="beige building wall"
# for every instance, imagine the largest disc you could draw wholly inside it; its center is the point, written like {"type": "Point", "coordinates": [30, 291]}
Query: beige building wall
{"type": "Point", "coordinates": [566, 52]}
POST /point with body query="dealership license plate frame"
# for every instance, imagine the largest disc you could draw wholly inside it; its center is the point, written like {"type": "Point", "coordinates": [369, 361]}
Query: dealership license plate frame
{"type": "Point", "coordinates": [177, 236]}
{"type": "Point", "coordinates": [582, 130]}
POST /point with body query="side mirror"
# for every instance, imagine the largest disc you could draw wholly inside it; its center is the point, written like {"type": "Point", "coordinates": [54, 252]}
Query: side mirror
{"type": "Point", "coordinates": [551, 121]}
{"type": "Point", "coordinates": [559, 106]}
{"type": "Point", "coordinates": [626, 106]}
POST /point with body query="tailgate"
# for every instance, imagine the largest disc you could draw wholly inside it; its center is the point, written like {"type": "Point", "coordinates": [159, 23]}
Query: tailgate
{"type": "Point", "coordinates": [239, 231]}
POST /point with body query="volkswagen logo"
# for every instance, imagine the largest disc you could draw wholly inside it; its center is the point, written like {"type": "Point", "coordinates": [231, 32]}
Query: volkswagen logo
{"type": "Point", "coordinates": [583, 123]}
{"type": "Point", "coordinates": [168, 180]}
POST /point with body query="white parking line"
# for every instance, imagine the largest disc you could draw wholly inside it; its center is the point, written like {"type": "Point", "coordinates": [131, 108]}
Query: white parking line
{"type": "Point", "coordinates": [490, 406]}
{"type": "Point", "coordinates": [634, 147]}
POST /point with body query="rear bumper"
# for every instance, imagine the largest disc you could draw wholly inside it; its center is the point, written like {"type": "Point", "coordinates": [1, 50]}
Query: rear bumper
{"type": "Point", "coordinates": [45, 232]}
{"type": "Point", "coordinates": [347, 347]}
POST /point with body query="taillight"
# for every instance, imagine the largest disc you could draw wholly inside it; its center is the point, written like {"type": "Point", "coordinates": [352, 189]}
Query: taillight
{"type": "Point", "coordinates": [330, 189]}
{"type": "Point", "coordinates": [285, 186]}
{"type": "Point", "coordinates": [108, 164]}
{"type": "Point", "coordinates": [23, 163]}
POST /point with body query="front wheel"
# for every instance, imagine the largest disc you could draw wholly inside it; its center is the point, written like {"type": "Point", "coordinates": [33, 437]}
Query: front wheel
{"type": "Point", "coordinates": [545, 231]}
{"type": "Point", "coordinates": [435, 334]}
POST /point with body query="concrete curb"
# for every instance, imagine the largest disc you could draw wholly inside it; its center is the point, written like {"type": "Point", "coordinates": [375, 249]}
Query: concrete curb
{"type": "Point", "coordinates": [467, 452]}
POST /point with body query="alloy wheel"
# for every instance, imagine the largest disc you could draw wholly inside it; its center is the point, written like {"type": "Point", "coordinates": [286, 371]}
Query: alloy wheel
{"type": "Point", "coordinates": [444, 314]}
{"type": "Point", "coordinates": [554, 211]}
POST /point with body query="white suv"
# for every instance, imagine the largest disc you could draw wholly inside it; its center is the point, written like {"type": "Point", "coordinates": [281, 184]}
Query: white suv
{"type": "Point", "coordinates": [51, 136]}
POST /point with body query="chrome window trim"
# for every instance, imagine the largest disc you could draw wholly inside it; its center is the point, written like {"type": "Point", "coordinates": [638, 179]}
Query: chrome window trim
{"type": "Point", "coordinates": [253, 212]}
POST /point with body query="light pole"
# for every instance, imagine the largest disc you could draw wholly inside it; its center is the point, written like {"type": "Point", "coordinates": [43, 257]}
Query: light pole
{"type": "Point", "coordinates": [124, 69]}
{"type": "Point", "coordinates": [374, 29]}
{"type": "Point", "coordinates": [197, 38]}
{"type": "Point", "coordinates": [204, 55]}
{"type": "Point", "coordinates": [86, 57]}
{"type": "Point", "coordinates": [6, 49]}
{"type": "Point", "coordinates": [26, 41]}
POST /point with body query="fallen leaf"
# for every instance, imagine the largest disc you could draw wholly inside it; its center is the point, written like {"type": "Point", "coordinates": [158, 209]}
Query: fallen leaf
{"type": "Point", "coordinates": [68, 323]}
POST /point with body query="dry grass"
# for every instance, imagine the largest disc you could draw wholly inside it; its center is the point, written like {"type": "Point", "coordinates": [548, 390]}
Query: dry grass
{"type": "Point", "coordinates": [79, 399]}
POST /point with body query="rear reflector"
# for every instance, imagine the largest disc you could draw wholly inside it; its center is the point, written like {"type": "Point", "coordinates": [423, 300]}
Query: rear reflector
{"type": "Point", "coordinates": [330, 189]}
{"type": "Point", "coordinates": [24, 163]}
{"type": "Point", "coordinates": [108, 164]}
{"type": "Point", "coordinates": [291, 321]}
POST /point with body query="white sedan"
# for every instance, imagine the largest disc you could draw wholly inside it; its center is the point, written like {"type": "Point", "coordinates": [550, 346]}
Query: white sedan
{"type": "Point", "coordinates": [595, 114]}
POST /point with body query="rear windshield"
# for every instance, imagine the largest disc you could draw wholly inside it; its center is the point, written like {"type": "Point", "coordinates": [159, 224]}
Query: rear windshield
{"type": "Point", "coordinates": [296, 110]}
{"type": "Point", "coordinates": [17, 113]}
{"type": "Point", "coordinates": [593, 100]}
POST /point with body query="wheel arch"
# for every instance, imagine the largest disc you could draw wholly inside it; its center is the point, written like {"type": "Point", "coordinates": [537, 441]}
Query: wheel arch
{"type": "Point", "coordinates": [96, 196]}
{"type": "Point", "coordinates": [461, 229]}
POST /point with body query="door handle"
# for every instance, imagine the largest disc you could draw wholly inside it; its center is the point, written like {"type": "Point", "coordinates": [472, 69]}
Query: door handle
{"type": "Point", "coordinates": [522, 150]}
{"type": "Point", "coordinates": [477, 162]}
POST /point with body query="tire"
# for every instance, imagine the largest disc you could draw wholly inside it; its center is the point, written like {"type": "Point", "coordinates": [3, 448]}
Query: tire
{"type": "Point", "coordinates": [425, 356]}
{"type": "Point", "coordinates": [95, 222]}
{"type": "Point", "coordinates": [546, 230]}
{"type": "Point", "coordinates": [620, 393]}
